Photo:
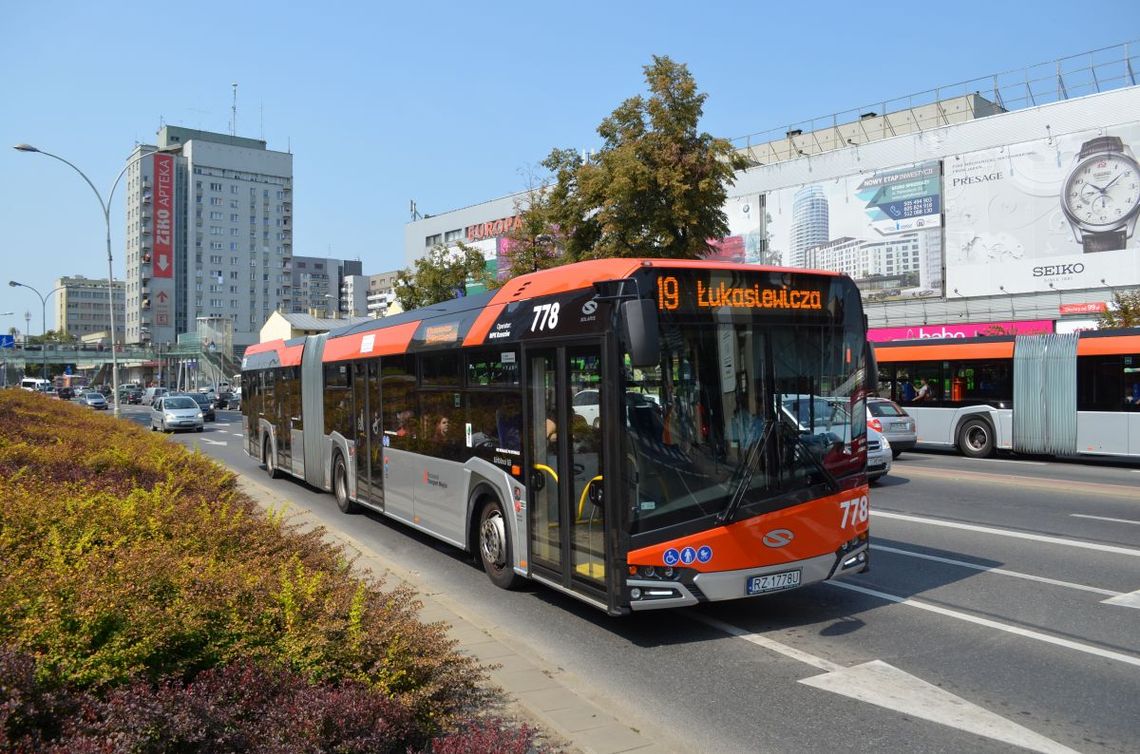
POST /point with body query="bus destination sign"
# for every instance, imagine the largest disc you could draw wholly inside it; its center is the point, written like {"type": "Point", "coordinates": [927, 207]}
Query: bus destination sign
{"type": "Point", "coordinates": [688, 292]}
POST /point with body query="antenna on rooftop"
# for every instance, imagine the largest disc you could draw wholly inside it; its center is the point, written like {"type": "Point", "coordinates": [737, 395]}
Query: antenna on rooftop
{"type": "Point", "coordinates": [233, 121]}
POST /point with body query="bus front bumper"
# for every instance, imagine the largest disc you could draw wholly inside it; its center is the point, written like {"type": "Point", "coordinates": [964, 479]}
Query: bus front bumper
{"type": "Point", "coordinates": [652, 594]}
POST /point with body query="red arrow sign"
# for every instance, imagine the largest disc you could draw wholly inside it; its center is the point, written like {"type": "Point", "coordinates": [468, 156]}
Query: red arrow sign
{"type": "Point", "coordinates": [162, 297]}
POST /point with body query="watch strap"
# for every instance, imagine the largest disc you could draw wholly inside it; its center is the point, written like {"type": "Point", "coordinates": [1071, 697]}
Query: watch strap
{"type": "Point", "coordinates": [1113, 240]}
{"type": "Point", "coordinates": [1101, 144]}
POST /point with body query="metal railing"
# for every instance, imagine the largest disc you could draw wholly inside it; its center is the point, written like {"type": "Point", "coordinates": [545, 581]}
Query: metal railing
{"type": "Point", "coordinates": [1078, 75]}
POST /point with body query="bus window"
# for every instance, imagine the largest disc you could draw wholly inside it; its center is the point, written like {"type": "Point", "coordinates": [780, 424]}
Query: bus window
{"type": "Point", "coordinates": [493, 368]}
{"type": "Point", "coordinates": [399, 420]}
{"type": "Point", "coordinates": [440, 368]}
{"type": "Point", "coordinates": [338, 400]}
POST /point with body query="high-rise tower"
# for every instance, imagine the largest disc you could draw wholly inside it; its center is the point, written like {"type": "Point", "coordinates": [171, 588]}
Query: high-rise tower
{"type": "Point", "coordinates": [209, 234]}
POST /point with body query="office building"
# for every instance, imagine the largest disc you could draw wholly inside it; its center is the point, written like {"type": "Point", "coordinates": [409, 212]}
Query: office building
{"type": "Point", "coordinates": [317, 283]}
{"type": "Point", "coordinates": [81, 306]}
{"type": "Point", "coordinates": [209, 234]}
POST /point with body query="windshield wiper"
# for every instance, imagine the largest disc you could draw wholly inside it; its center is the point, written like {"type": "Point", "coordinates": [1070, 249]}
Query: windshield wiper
{"type": "Point", "coordinates": [755, 449]}
{"type": "Point", "coordinates": [808, 451]}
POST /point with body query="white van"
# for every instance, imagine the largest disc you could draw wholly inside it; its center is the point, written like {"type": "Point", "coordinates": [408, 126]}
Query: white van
{"type": "Point", "coordinates": [152, 393]}
{"type": "Point", "coordinates": [34, 384]}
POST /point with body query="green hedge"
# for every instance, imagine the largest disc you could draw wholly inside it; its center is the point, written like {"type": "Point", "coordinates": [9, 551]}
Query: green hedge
{"type": "Point", "coordinates": [129, 559]}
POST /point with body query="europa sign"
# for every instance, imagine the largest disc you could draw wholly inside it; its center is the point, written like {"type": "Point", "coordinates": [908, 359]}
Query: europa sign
{"type": "Point", "coordinates": [163, 216]}
{"type": "Point", "coordinates": [492, 228]}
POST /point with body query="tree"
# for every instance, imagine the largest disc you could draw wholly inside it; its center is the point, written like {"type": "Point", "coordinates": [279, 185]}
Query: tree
{"type": "Point", "coordinates": [1125, 311]}
{"type": "Point", "coordinates": [441, 275]}
{"type": "Point", "coordinates": [658, 185]}
{"type": "Point", "coordinates": [532, 244]}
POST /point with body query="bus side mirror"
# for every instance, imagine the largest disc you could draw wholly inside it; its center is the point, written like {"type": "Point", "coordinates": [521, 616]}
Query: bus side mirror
{"type": "Point", "coordinates": [639, 327]}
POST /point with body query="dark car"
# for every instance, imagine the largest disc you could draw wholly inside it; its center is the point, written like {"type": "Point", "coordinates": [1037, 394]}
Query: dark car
{"type": "Point", "coordinates": [135, 397]}
{"type": "Point", "coordinates": [206, 404]}
{"type": "Point", "coordinates": [225, 399]}
{"type": "Point", "coordinates": [66, 393]}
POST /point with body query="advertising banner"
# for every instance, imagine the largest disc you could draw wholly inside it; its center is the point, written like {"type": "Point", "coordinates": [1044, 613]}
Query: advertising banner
{"type": "Point", "coordinates": [882, 228]}
{"type": "Point", "coordinates": [1056, 213]}
{"type": "Point", "coordinates": [937, 332]}
{"type": "Point", "coordinates": [163, 216]}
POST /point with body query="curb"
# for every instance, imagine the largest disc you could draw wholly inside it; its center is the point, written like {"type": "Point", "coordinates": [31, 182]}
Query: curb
{"type": "Point", "coordinates": [554, 700]}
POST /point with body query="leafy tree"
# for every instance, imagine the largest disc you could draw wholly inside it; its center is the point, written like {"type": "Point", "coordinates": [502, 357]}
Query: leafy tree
{"type": "Point", "coordinates": [1125, 312]}
{"type": "Point", "coordinates": [658, 185]}
{"type": "Point", "coordinates": [532, 244]}
{"type": "Point", "coordinates": [441, 275]}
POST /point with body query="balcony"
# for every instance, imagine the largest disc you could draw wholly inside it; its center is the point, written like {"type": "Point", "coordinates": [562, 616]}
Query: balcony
{"type": "Point", "coordinates": [146, 198]}
{"type": "Point", "coordinates": [145, 303]}
{"type": "Point", "coordinates": [287, 208]}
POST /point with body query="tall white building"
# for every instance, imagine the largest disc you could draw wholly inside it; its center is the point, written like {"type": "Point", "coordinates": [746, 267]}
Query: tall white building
{"type": "Point", "coordinates": [810, 225]}
{"type": "Point", "coordinates": [209, 234]}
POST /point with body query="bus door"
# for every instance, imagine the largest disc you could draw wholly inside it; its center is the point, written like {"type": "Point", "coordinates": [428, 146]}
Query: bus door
{"type": "Point", "coordinates": [567, 525]}
{"type": "Point", "coordinates": [367, 432]}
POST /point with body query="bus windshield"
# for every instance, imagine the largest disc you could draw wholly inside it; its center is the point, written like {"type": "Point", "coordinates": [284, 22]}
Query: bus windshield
{"type": "Point", "coordinates": [741, 417]}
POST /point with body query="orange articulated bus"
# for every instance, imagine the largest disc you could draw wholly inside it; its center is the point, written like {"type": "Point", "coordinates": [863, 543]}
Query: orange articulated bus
{"type": "Point", "coordinates": [1063, 395]}
{"type": "Point", "coordinates": [617, 429]}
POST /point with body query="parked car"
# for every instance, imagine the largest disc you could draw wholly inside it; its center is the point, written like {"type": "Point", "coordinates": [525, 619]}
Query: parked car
{"type": "Point", "coordinates": [204, 404]}
{"type": "Point", "coordinates": [878, 455]}
{"type": "Point", "coordinates": [174, 412]}
{"type": "Point", "coordinates": [93, 399]}
{"type": "Point", "coordinates": [894, 422]}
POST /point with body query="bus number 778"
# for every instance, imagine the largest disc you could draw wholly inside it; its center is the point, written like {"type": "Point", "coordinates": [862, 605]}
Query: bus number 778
{"type": "Point", "coordinates": [854, 510]}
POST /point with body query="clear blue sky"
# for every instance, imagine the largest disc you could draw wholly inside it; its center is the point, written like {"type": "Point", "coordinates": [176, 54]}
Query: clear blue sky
{"type": "Point", "coordinates": [449, 104]}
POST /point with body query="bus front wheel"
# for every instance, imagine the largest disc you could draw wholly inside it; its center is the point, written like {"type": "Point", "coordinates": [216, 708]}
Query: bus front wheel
{"type": "Point", "coordinates": [270, 461]}
{"type": "Point", "coordinates": [495, 547]}
{"type": "Point", "coordinates": [340, 486]}
{"type": "Point", "coordinates": [976, 439]}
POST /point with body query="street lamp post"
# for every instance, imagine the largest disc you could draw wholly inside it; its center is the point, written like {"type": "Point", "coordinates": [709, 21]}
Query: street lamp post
{"type": "Point", "coordinates": [106, 206]}
{"type": "Point", "coordinates": [43, 321]}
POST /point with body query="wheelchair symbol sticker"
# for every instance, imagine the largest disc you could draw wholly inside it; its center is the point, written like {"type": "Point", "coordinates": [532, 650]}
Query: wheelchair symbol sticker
{"type": "Point", "coordinates": [688, 555]}
{"type": "Point", "coordinates": [671, 557]}
{"type": "Point", "coordinates": [704, 554]}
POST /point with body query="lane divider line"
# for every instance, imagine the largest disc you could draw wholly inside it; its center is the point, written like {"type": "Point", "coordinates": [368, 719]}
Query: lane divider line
{"type": "Point", "coordinates": [1105, 518]}
{"type": "Point", "coordinates": [991, 569]}
{"type": "Point", "coordinates": [988, 623]}
{"type": "Point", "coordinates": [1098, 546]}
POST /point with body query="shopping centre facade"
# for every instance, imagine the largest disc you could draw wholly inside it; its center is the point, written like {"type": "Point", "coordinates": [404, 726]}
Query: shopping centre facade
{"type": "Point", "coordinates": [955, 211]}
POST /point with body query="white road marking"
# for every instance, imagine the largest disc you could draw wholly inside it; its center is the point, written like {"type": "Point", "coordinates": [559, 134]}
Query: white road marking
{"type": "Point", "coordinates": [886, 686]}
{"type": "Point", "coordinates": [1016, 630]}
{"type": "Point", "coordinates": [771, 644]}
{"type": "Point", "coordinates": [208, 441]}
{"type": "Point", "coordinates": [1131, 599]}
{"type": "Point", "coordinates": [883, 685]}
{"type": "Point", "coordinates": [1007, 533]}
{"type": "Point", "coordinates": [1105, 518]}
{"type": "Point", "coordinates": [991, 569]}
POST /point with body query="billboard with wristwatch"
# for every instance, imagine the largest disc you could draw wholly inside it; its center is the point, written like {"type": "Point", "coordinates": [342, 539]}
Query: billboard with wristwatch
{"type": "Point", "coordinates": [1056, 213]}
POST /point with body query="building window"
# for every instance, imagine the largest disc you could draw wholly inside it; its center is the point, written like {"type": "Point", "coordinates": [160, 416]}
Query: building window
{"type": "Point", "coordinates": [215, 187]}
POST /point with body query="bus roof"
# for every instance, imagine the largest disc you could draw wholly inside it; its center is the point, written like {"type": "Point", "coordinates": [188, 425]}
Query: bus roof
{"type": "Point", "coordinates": [469, 319]}
{"type": "Point", "coordinates": [1089, 343]}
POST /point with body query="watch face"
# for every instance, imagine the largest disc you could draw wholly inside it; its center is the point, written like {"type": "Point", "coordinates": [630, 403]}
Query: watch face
{"type": "Point", "coordinates": [1102, 190]}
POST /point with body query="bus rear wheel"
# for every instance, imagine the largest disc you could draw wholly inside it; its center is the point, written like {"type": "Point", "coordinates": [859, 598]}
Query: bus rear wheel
{"type": "Point", "coordinates": [976, 439]}
{"type": "Point", "coordinates": [340, 486]}
{"type": "Point", "coordinates": [270, 461]}
{"type": "Point", "coordinates": [495, 549]}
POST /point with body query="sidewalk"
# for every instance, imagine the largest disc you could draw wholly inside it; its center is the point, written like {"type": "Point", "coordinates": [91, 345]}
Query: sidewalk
{"type": "Point", "coordinates": [549, 697]}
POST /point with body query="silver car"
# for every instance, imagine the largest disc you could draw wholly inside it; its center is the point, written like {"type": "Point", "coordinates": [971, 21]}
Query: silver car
{"type": "Point", "coordinates": [892, 420]}
{"type": "Point", "coordinates": [878, 454]}
{"type": "Point", "coordinates": [173, 413]}
{"type": "Point", "coordinates": [94, 400]}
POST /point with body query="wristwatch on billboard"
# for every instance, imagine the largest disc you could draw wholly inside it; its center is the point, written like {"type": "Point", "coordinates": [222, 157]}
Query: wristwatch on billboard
{"type": "Point", "coordinates": [1101, 196]}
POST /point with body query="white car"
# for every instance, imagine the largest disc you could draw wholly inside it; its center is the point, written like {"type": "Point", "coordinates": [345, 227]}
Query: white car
{"type": "Point", "coordinates": [878, 454]}
{"type": "Point", "coordinates": [176, 412]}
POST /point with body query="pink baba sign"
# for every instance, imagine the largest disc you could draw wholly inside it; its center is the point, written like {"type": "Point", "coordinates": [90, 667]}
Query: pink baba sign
{"type": "Point", "coordinates": [939, 332]}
